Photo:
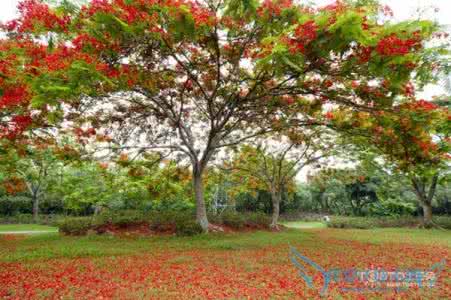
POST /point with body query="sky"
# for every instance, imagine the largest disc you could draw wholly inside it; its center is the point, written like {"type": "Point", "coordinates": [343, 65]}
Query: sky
{"type": "Point", "coordinates": [438, 10]}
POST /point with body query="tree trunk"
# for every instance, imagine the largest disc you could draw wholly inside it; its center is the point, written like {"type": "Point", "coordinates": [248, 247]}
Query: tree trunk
{"type": "Point", "coordinates": [427, 214]}
{"type": "Point", "coordinates": [201, 211]}
{"type": "Point", "coordinates": [275, 197]}
{"type": "Point", "coordinates": [35, 200]}
{"type": "Point", "coordinates": [425, 198]}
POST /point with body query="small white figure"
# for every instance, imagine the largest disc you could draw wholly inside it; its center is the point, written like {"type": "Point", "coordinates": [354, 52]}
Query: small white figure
{"type": "Point", "coordinates": [326, 219]}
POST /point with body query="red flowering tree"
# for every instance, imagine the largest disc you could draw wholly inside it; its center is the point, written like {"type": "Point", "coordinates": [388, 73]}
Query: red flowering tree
{"type": "Point", "coordinates": [193, 77]}
{"type": "Point", "coordinates": [414, 139]}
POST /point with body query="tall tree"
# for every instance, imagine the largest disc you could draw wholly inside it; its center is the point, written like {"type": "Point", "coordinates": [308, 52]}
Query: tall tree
{"type": "Point", "coordinates": [193, 77]}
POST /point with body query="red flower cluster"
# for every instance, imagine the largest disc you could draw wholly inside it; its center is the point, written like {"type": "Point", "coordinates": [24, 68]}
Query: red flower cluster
{"type": "Point", "coordinates": [35, 12]}
{"type": "Point", "coordinates": [392, 45]}
{"type": "Point", "coordinates": [98, 6]}
{"type": "Point", "coordinates": [273, 8]}
{"type": "Point", "coordinates": [202, 16]}
{"type": "Point", "coordinates": [84, 40]}
{"type": "Point", "coordinates": [423, 105]}
{"type": "Point", "coordinates": [304, 34]}
{"type": "Point", "coordinates": [364, 54]}
{"type": "Point", "coordinates": [13, 97]}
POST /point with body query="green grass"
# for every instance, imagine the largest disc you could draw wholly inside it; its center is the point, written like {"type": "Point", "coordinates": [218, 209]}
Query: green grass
{"type": "Point", "coordinates": [51, 246]}
{"type": "Point", "coordinates": [304, 225]}
{"type": "Point", "coordinates": [394, 235]}
{"type": "Point", "coordinates": [26, 227]}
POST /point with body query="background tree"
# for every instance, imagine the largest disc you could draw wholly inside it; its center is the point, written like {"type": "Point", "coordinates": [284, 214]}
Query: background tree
{"type": "Point", "coordinates": [273, 165]}
{"type": "Point", "coordinates": [35, 170]}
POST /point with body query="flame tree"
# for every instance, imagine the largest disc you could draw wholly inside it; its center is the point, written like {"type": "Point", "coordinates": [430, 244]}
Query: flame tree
{"type": "Point", "coordinates": [193, 77]}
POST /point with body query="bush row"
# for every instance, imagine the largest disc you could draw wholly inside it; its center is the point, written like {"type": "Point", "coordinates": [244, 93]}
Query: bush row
{"type": "Point", "coordinates": [384, 222]}
{"type": "Point", "coordinates": [181, 222]}
{"type": "Point", "coordinates": [28, 219]}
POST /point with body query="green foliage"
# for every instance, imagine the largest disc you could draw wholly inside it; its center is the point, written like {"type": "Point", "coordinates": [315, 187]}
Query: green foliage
{"type": "Point", "coordinates": [392, 207]}
{"type": "Point", "coordinates": [17, 219]}
{"type": "Point", "coordinates": [12, 205]}
{"type": "Point", "coordinates": [121, 218]}
{"type": "Point", "coordinates": [187, 227]}
{"type": "Point", "coordinates": [233, 219]}
{"type": "Point", "coordinates": [257, 220]}
{"type": "Point", "coordinates": [368, 222]}
{"type": "Point", "coordinates": [166, 221]}
{"type": "Point", "coordinates": [443, 221]}
{"type": "Point", "coordinates": [75, 225]}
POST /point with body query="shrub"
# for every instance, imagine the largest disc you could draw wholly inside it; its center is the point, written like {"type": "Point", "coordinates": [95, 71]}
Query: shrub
{"type": "Point", "coordinates": [214, 218]}
{"type": "Point", "coordinates": [165, 221]}
{"type": "Point", "coordinates": [119, 218]}
{"type": "Point", "coordinates": [17, 219]}
{"type": "Point", "coordinates": [258, 220]}
{"type": "Point", "coordinates": [233, 219]}
{"type": "Point", "coordinates": [351, 222]}
{"type": "Point", "coordinates": [187, 227]}
{"type": "Point", "coordinates": [443, 221]}
{"type": "Point", "coordinates": [75, 225]}
{"type": "Point", "coordinates": [406, 221]}
{"type": "Point", "coordinates": [13, 205]}
{"type": "Point", "coordinates": [368, 222]}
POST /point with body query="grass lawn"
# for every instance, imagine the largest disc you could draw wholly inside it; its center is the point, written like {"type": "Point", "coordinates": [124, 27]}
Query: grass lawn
{"type": "Point", "coordinates": [26, 227]}
{"type": "Point", "coordinates": [216, 266]}
{"type": "Point", "coordinates": [304, 225]}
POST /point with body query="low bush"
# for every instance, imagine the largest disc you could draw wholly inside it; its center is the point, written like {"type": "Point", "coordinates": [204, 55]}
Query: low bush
{"type": "Point", "coordinates": [443, 221]}
{"type": "Point", "coordinates": [187, 227]}
{"type": "Point", "coordinates": [17, 219]}
{"type": "Point", "coordinates": [385, 222]}
{"type": "Point", "coordinates": [166, 221]}
{"type": "Point", "coordinates": [51, 220]}
{"type": "Point", "coordinates": [301, 216]}
{"type": "Point", "coordinates": [237, 220]}
{"type": "Point", "coordinates": [233, 219]}
{"type": "Point", "coordinates": [120, 218]}
{"type": "Point", "coordinates": [14, 205]}
{"type": "Point", "coordinates": [75, 225]}
{"type": "Point", "coordinates": [257, 220]}
{"type": "Point", "coordinates": [351, 222]}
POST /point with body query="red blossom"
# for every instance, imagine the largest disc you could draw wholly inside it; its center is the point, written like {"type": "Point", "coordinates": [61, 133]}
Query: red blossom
{"type": "Point", "coordinates": [303, 35]}
{"type": "Point", "coordinates": [34, 14]}
{"type": "Point", "coordinates": [273, 8]}
{"type": "Point", "coordinates": [13, 96]}
{"type": "Point", "coordinates": [392, 45]}
{"type": "Point", "coordinates": [84, 40]}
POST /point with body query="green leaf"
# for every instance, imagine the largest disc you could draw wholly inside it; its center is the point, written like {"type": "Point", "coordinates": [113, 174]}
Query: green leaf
{"type": "Point", "coordinates": [292, 64]}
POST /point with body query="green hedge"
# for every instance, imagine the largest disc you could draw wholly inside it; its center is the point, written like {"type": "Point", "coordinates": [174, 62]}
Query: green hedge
{"type": "Point", "coordinates": [236, 220]}
{"type": "Point", "coordinates": [28, 219]}
{"type": "Point", "coordinates": [75, 225]}
{"type": "Point", "coordinates": [384, 222]}
{"type": "Point", "coordinates": [121, 218]}
{"type": "Point", "coordinates": [182, 223]}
